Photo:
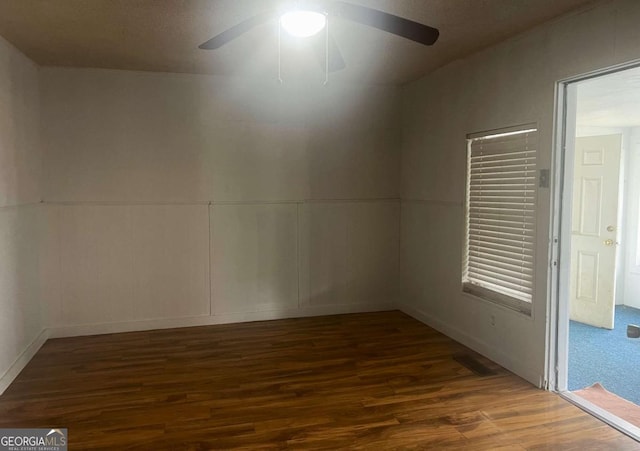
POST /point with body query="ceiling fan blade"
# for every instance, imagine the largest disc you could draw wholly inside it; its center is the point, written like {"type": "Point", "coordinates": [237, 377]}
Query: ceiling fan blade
{"type": "Point", "coordinates": [336, 61]}
{"type": "Point", "coordinates": [236, 31]}
{"type": "Point", "coordinates": [387, 22]}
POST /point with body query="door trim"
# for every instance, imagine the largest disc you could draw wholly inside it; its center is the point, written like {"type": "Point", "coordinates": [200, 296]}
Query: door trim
{"type": "Point", "coordinates": [557, 324]}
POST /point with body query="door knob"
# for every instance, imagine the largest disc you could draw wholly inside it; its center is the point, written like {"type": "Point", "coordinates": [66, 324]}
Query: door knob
{"type": "Point", "coordinates": [611, 228]}
{"type": "Point", "coordinates": [608, 242]}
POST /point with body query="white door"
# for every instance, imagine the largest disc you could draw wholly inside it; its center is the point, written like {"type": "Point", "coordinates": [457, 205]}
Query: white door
{"type": "Point", "coordinates": [594, 229]}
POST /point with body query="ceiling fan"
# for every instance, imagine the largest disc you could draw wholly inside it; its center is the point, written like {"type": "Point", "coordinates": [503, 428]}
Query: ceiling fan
{"type": "Point", "coordinates": [308, 18]}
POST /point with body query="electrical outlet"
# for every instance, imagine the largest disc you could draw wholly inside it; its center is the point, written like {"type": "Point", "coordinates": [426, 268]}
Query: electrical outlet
{"type": "Point", "coordinates": [493, 320]}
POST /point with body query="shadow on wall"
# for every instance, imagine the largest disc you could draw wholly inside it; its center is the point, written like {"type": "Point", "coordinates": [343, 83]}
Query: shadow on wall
{"type": "Point", "coordinates": [20, 296]}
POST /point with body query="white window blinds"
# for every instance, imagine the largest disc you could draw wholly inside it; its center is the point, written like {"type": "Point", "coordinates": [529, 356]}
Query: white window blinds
{"type": "Point", "coordinates": [500, 217]}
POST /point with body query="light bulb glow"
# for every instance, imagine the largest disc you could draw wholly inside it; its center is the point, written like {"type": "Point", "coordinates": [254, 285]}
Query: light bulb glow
{"type": "Point", "coordinates": [303, 24]}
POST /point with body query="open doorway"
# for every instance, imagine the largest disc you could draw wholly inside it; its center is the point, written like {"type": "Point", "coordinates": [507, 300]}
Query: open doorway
{"type": "Point", "coordinates": [598, 285]}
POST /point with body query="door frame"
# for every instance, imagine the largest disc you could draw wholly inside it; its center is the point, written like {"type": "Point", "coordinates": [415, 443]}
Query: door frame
{"type": "Point", "coordinates": [560, 232]}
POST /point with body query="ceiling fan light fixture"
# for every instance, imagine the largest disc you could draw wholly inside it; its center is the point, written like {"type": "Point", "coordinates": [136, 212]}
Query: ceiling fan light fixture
{"type": "Point", "coordinates": [302, 24]}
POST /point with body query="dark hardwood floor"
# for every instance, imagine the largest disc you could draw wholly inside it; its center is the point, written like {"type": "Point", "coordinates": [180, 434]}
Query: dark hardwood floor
{"type": "Point", "coordinates": [369, 381]}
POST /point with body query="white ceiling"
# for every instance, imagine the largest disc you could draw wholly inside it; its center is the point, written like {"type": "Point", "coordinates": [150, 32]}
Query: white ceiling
{"type": "Point", "coordinates": [163, 35]}
{"type": "Point", "coordinates": [610, 101]}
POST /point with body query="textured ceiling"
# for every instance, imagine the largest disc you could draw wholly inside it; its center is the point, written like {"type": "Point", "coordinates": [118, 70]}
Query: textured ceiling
{"type": "Point", "coordinates": [611, 100]}
{"type": "Point", "coordinates": [163, 35]}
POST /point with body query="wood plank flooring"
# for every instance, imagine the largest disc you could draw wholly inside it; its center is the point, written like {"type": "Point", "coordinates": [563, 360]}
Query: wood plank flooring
{"type": "Point", "coordinates": [363, 381]}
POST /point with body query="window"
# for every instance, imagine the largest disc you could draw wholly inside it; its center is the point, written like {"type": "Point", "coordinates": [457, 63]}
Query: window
{"type": "Point", "coordinates": [500, 216]}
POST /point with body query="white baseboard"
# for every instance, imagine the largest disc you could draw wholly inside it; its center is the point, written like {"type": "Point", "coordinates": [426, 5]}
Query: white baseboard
{"type": "Point", "coordinates": [228, 318]}
{"type": "Point", "coordinates": [516, 366]}
{"type": "Point", "coordinates": [168, 323]}
{"type": "Point", "coordinates": [21, 361]}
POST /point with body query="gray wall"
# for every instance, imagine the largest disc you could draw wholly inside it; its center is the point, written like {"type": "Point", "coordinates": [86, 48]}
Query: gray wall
{"type": "Point", "coordinates": [509, 84]}
{"type": "Point", "coordinates": [20, 163]}
{"type": "Point", "coordinates": [184, 199]}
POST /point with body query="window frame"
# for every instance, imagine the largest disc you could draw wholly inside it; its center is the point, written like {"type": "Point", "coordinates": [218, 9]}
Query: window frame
{"type": "Point", "coordinates": [478, 291]}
